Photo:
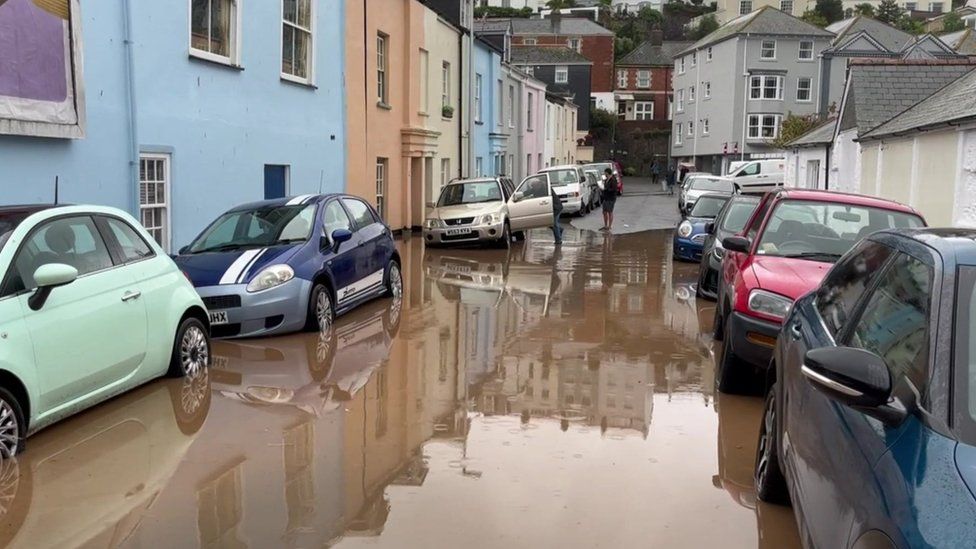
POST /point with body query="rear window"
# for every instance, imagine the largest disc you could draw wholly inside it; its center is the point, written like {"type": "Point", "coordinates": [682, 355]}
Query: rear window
{"type": "Point", "coordinates": [710, 184]}
{"type": "Point", "coordinates": [563, 177]}
{"type": "Point", "coordinates": [9, 222]}
{"type": "Point", "coordinates": [708, 206]}
{"type": "Point", "coordinates": [738, 215]}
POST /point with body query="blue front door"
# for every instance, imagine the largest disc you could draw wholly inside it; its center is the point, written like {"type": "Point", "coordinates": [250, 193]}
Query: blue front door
{"type": "Point", "coordinates": [275, 181]}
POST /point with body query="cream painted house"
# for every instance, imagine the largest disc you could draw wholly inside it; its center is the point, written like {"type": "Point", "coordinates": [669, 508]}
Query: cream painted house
{"type": "Point", "coordinates": [444, 100]}
{"type": "Point", "coordinates": [560, 146]}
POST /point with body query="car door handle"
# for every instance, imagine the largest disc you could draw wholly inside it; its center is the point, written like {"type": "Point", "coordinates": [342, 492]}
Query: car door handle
{"type": "Point", "coordinates": [130, 295]}
{"type": "Point", "coordinates": [544, 202]}
{"type": "Point", "coordinates": [795, 330]}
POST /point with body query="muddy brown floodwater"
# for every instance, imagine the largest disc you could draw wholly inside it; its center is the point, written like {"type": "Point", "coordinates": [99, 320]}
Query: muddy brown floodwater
{"type": "Point", "coordinates": [536, 397]}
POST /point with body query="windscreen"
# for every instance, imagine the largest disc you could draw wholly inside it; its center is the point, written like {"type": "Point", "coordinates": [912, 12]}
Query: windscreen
{"type": "Point", "coordinates": [708, 206]}
{"type": "Point", "coordinates": [711, 184]}
{"type": "Point", "coordinates": [474, 192]}
{"type": "Point", "coordinates": [257, 228]}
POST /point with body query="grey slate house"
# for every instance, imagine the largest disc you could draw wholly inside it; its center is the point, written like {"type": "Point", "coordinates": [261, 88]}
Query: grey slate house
{"type": "Point", "coordinates": [565, 72]}
{"type": "Point", "coordinates": [733, 88]}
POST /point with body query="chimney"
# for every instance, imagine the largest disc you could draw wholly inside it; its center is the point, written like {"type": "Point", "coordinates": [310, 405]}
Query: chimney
{"type": "Point", "coordinates": [657, 37]}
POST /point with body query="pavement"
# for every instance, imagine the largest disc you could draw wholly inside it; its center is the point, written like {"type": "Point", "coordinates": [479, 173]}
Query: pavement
{"type": "Point", "coordinates": [643, 207]}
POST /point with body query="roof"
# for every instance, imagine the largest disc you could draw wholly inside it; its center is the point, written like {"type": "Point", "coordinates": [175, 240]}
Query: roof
{"type": "Point", "coordinates": [949, 242]}
{"type": "Point", "coordinates": [820, 135]}
{"type": "Point", "coordinates": [879, 89]}
{"type": "Point", "coordinates": [963, 41]}
{"type": "Point", "coordinates": [560, 25]}
{"type": "Point", "coordinates": [27, 208]}
{"type": "Point", "coordinates": [286, 201]}
{"type": "Point", "coordinates": [547, 55]}
{"type": "Point", "coordinates": [767, 21]}
{"type": "Point", "coordinates": [492, 26]}
{"type": "Point", "coordinates": [887, 36]}
{"type": "Point", "coordinates": [650, 54]}
{"type": "Point", "coordinates": [843, 198]}
{"type": "Point", "coordinates": [956, 101]}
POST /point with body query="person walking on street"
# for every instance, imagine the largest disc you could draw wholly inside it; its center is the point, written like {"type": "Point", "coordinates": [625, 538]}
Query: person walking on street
{"type": "Point", "coordinates": [611, 189]}
{"type": "Point", "coordinates": [557, 210]}
{"type": "Point", "coordinates": [671, 180]}
{"type": "Point", "coordinates": [655, 172]}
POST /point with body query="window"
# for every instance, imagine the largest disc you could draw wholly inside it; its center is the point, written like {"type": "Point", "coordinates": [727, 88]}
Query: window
{"type": "Point", "coordinates": [574, 44]}
{"type": "Point", "coordinates": [213, 30]}
{"type": "Point", "coordinates": [786, 6]}
{"type": "Point", "coordinates": [680, 99]}
{"type": "Point", "coordinates": [745, 6]}
{"type": "Point", "coordinates": [911, 6]}
{"type": "Point", "coordinates": [708, 54]}
{"type": "Point", "coordinates": [132, 246]}
{"type": "Point", "coordinates": [766, 87]}
{"type": "Point", "coordinates": [643, 79]}
{"type": "Point", "coordinates": [528, 164]}
{"type": "Point", "coordinates": [803, 86]}
{"type": "Point", "coordinates": [70, 240]}
{"type": "Point", "coordinates": [894, 324]}
{"type": "Point", "coordinates": [622, 110]}
{"type": "Point", "coordinates": [361, 213]}
{"type": "Point", "coordinates": [935, 7]}
{"type": "Point", "coordinates": [381, 164]}
{"type": "Point", "coordinates": [644, 110]}
{"type": "Point", "coordinates": [691, 128]}
{"type": "Point", "coordinates": [707, 89]}
{"type": "Point", "coordinates": [296, 40]}
{"type": "Point", "coordinates": [535, 187]}
{"type": "Point", "coordinates": [806, 50]}
{"type": "Point", "coordinates": [694, 58]}
{"type": "Point", "coordinates": [479, 166]}
{"type": "Point", "coordinates": [677, 133]}
{"type": "Point", "coordinates": [381, 70]}
{"type": "Point", "coordinates": [691, 94]}
{"type": "Point", "coordinates": [477, 97]}
{"type": "Point", "coordinates": [511, 106]}
{"type": "Point", "coordinates": [446, 171]}
{"type": "Point", "coordinates": [335, 218]}
{"type": "Point", "coordinates": [445, 84]}
{"type": "Point", "coordinates": [500, 102]}
{"type": "Point", "coordinates": [681, 66]}
{"type": "Point", "coordinates": [622, 78]}
{"type": "Point", "coordinates": [767, 49]}
{"type": "Point", "coordinates": [763, 126]}
{"type": "Point", "coordinates": [704, 126]}
{"type": "Point", "coordinates": [424, 81]}
{"type": "Point", "coordinates": [154, 197]}
{"type": "Point", "coordinates": [847, 282]}
{"type": "Point", "coordinates": [530, 105]}
{"type": "Point", "coordinates": [562, 75]}
{"type": "Point", "coordinates": [529, 70]}
{"type": "Point", "coordinates": [529, 41]}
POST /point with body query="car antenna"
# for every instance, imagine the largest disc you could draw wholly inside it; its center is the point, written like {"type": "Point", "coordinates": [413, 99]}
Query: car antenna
{"type": "Point", "coordinates": [56, 189]}
{"type": "Point", "coordinates": [321, 177]}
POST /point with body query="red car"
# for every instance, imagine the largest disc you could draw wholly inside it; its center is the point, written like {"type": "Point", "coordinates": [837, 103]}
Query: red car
{"type": "Point", "coordinates": [789, 244]}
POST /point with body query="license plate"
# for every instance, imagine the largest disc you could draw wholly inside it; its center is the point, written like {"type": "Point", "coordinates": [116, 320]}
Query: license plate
{"type": "Point", "coordinates": [455, 232]}
{"type": "Point", "coordinates": [218, 362]}
{"type": "Point", "coordinates": [218, 317]}
{"type": "Point", "coordinates": [457, 268]}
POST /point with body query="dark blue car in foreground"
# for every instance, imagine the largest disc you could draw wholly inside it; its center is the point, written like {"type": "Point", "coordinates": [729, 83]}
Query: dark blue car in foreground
{"type": "Point", "coordinates": [870, 422]}
{"type": "Point", "coordinates": [288, 264]}
{"type": "Point", "coordinates": [690, 236]}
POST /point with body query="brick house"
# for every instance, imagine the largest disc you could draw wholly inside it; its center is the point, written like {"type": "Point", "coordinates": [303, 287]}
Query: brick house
{"type": "Point", "coordinates": [642, 89]}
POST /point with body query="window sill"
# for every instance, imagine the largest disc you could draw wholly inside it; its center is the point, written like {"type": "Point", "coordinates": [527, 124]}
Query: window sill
{"type": "Point", "coordinates": [209, 58]}
{"type": "Point", "coordinates": [805, 60]}
{"type": "Point", "coordinates": [294, 80]}
{"type": "Point", "coordinates": [383, 105]}
{"type": "Point", "coordinates": [447, 118]}
{"type": "Point", "coordinates": [479, 123]}
{"type": "Point", "coordinates": [424, 114]}
{"type": "Point", "coordinates": [768, 59]}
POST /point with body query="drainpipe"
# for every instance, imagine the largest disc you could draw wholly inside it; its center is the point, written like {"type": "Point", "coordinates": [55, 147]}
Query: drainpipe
{"type": "Point", "coordinates": [745, 98]}
{"type": "Point", "coordinates": [827, 171]}
{"type": "Point", "coordinates": [461, 100]}
{"type": "Point", "coordinates": [130, 96]}
{"type": "Point", "coordinates": [694, 145]}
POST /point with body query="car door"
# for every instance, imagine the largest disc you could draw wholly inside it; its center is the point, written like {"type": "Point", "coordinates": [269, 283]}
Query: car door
{"type": "Point", "coordinates": [343, 260]}
{"type": "Point", "coordinates": [376, 245]}
{"type": "Point", "coordinates": [531, 205]}
{"type": "Point", "coordinates": [90, 335]}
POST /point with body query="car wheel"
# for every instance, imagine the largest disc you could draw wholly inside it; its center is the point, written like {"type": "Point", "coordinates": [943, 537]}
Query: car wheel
{"type": "Point", "coordinates": [394, 280]}
{"type": "Point", "coordinates": [506, 239]}
{"type": "Point", "coordinates": [190, 397]}
{"type": "Point", "coordinates": [718, 327]}
{"type": "Point", "coordinates": [13, 428]}
{"type": "Point", "coordinates": [519, 236]}
{"type": "Point", "coordinates": [729, 374]}
{"type": "Point", "coordinates": [191, 351]}
{"type": "Point", "coordinates": [321, 310]}
{"type": "Point", "coordinates": [770, 482]}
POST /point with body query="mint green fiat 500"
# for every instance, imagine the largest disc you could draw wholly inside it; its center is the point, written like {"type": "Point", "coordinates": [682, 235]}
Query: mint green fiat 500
{"type": "Point", "coordinates": [90, 307]}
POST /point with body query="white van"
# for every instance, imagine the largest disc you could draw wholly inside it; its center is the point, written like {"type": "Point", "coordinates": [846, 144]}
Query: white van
{"type": "Point", "coordinates": [756, 175]}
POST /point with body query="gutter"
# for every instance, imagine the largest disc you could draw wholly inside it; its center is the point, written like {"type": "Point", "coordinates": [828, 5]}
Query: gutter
{"type": "Point", "coordinates": [130, 96]}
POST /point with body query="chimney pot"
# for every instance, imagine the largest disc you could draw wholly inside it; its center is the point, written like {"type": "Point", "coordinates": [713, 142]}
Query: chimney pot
{"type": "Point", "coordinates": [657, 37]}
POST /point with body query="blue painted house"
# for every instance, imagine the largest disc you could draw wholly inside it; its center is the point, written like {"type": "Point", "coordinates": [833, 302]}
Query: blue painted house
{"type": "Point", "coordinates": [173, 111]}
{"type": "Point", "coordinates": [487, 60]}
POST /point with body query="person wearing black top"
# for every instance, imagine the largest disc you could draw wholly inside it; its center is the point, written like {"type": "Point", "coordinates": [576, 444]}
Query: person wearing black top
{"type": "Point", "coordinates": [611, 189]}
{"type": "Point", "coordinates": [557, 210]}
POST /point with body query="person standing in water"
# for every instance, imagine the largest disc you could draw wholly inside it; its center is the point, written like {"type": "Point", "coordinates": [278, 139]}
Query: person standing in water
{"type": "Point", "coordinates": [557, 210]}
{"type": "Point", "coordinates": [611, 189]}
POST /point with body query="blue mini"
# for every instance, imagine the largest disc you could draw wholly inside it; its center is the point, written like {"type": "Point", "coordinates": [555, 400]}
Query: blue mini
{"type": "Point", "coordinates": [288, 264]}
{"type": "Point", "coordinates": [689, 238]}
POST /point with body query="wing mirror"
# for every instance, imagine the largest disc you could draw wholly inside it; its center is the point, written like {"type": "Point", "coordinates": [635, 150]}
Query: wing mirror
{"type": "Point", "coordinates": [48, 277]}
{"type": "Point", "coordinates": [737, 244]}
{"type": "Point", "coordinates": [710, 228]}
{"type": "Point", "coordinates": [859, 379]}
{"type": "Point", "coordinates": [341, 235]}
{"type": "Point", "coordinates": [518, 196]}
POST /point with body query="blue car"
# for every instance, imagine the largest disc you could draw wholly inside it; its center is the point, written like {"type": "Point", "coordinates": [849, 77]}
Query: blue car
{"type": "Point", "coordinates": [870, 420]}
{"type": "Point", "coordinates": [289, 264]}
{"type": "Point", "coordinates": [690, 237]}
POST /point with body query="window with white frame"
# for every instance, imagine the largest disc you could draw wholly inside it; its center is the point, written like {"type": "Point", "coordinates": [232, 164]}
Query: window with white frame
{"type": "Point", "coordinates": [477, 97]}
{"type": "Point", "coordinates": [529, 70]}
{"type": "Point", "coordinates": [767, 49]}
{"type": "Point", "coordinates": [381, 164]}
{"type": "Point", "coordinates": [691, 94]}
{"type": "Point", "coordinates": [806, 50]}
{"type": "Point", "coordinates": [621, 110]}
{"type": "Point", "coordinates": [691, 128]}
{"type": "Point", "coordinates": [154, 192]}
{"type": "Point", "coordinates": [445, 84]}
{"type": "Point", "coordinates": [213, 30]}
{"type": "Point", "coordinates": [529, 41]}
{"type": "Point", "coordinates": [694, 58]}
{"type": "Point", "coordinates": [745, 6]}
{"type": "Point", "coordinates": [499, 102]}
{"type": "Point", "coordinates": [707, 89]}
{"type": "Point", "coordinates": [708, 54]}
{"type": "Point", "coordinates": [562, 74]}
{"type": "Point", "coordinates": [679, 96]}
{"type": "Point", "coordinates": [643, 79]}
{"type": "Point", "coordinates": [424, 81]}
{"type": "Point", "coordinates": [704, 126]}
{"type": "Point", "coordinates": [296, 40]}
{"type": "Point", "coordinates": [786, 6]}
{"type": "Point", "coordinates": [529, 115]}
{"type": "Point", "coordinates": [644, 110]}
{"type": "Point", "coordinates": [766, 87]}
{"type": "Point", "coordinates": [381, 69]}
{"type": "Point", "coordinates": [574, 44]}
{"type": "Point", "coordinates": [445, 171]}
{"type": "Point", "coordinates": [622, 79]}
{"type": "Point", "coordinates": [935, 7]}
{"type": "Point", "coordinates": [911, 6]}
{"type": "Point", "coordinates": [763, 126]}
{"type": "Point", "coordinates": [511, 106]}
{"type": "Point", "coordinates": [479, 166]}
{"type": "Point", "coordinates": [677, 133]}
{"type": "Point", "coordinates": [681, 66]}
{"type": "Point", "coordinates": [804, 87]}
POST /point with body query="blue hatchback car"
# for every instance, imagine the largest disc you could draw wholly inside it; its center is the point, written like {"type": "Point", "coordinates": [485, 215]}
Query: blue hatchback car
{"type": "Point", "coordinates": [870, 422]}
{"type": "Point", "coordinates": [689, 238]}
{"type": "Point", "coordinates": [288, 264]}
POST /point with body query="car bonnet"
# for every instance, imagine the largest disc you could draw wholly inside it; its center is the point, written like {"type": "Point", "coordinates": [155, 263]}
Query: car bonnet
{"type": "Point", "coordinates": [232, 267]}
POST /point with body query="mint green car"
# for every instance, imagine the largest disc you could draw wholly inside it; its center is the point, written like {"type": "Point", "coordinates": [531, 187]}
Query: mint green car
{"type": "Point", "coordinates": [90, 307]}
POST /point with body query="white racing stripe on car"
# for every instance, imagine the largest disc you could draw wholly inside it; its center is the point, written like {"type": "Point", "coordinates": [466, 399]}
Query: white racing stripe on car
{"type": "Point", "coordinates": [299, 200]}
{"type": "Point", "coordinates": [363, 285]}
{"type": "Point", "coordinates": [243, 275]}
{"type": "Point", "coordinates": [234, 271]}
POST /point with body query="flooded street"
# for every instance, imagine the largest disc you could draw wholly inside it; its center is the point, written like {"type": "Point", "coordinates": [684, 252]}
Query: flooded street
{"type": "Point", "coordinates": [535, 397]}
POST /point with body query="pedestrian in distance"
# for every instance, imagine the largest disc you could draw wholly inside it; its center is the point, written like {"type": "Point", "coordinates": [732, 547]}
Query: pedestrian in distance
{"type": "Point", "coordinates": [557, 210]}
{"type": "Point", "coordinates": [655, 172]}
{"type": "Point", "coordinates": [671, 180]}
{"type": "Point", "coordinates": [611, 190]}
{"type": "Point", "coordinates": [682, 174]}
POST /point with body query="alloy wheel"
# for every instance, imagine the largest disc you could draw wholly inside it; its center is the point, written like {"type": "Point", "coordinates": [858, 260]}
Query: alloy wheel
{"type": "Point", "coordinates": [193, 392]}
{"type": "Point", "coordinates": [323, 309]}
{"type": "Point", "coordinates": [396, 281]}
{"type": "Point", "coordinates": [9, 431]}
{"type": "Point", "coordinates": [194, 351]}
{"type": "Point", "coordinates": [765, 452]}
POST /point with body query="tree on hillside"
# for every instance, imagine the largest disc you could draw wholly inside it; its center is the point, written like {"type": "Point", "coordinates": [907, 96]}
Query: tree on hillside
{"type": "Point", "coordinates": [864, 9]}
{"type": "Point", "coordinates": [560, 4]}
{"type": "Point", "coordinates": [496, 11]}
{"type": "Point", "coordinates": [952, 22]}
{"type": "Point", "coordinates": [888, 12]}
{"type": "Point", "coordinates": [831, 10]}
{"type": "Point", "coordinates": [707, 25]}
{"type": "Point", "coordinates": [814, 18]}
{"type": "Point", "coordinates": [909, 25]}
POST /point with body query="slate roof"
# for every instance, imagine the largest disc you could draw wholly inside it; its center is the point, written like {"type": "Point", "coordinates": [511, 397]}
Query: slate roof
{"type": "Point", "coordinates": [547, 55]}
{"type": "Point", "coordinates": [492, 25]}
{"type": "Point", "coordinates": [891, 38]}
{"type": "Point", "coordinates": [649, 54]}
{"type": "Point", "coordinates": [766, 20]}
{"type": "Point", "coordinates": [879, 89]}
{"type": "Point", "coordinates": [821, 135]}
{"type": "Point", "coordinates": [963, 41]}
{"type": "Point", "coordinates": [954, 102]}
{"type": "Point", "coordinates": [563, 25]}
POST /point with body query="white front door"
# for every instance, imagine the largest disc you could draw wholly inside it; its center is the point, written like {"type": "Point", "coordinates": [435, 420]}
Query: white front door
{"type": "Point", "coordinates": [813, 174]}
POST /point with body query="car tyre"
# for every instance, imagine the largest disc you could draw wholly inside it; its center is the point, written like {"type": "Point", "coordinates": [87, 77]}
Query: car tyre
{"type": "Point", "coordinates": [191, 349]}
{"type": "Point", "coordinates": [770, 483]}
{"type": "Point", "coordinates": [394, 280]}
{"type": "Point", "coordinates": [191, 398]}
{"type": "Point", "coordinates": [519, 236]}
{"type": "Point", "coordinates": [321, 309]}
{"type": "Point", "coordinates": [718, 324]}
{"type": "Point", "coordinates": [730, 372]}
{"type": "Point", "coordinates": [13, 427]}
{"type": "Point", "coordinates": [506, 239]}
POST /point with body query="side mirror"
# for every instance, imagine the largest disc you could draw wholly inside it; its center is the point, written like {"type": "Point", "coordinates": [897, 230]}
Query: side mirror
{"type": "Point", "coordinates": [854, 377]}
{"type": "Point", "coordinates": [341, 235]}
{"type": "Point", "coordinates": [737, 244]}
{"type": "Point", "coordinates": [710, 228]}
{"type": "Point", "coordinates": [48, 277]}
{"type": "Point", "coordinates": [518, 196]}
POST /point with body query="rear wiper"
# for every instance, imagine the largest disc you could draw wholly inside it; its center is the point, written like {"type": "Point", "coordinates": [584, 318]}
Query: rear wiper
{"type": "Point", "coordinates": [808, 255]}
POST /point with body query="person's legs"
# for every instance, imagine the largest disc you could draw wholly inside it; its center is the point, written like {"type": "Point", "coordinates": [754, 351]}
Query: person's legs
{"type": "Point", "coordinates": [557, 231]}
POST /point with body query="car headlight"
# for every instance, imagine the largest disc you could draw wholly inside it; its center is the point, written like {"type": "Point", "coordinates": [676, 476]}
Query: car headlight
{"type": "Point", "coordinates": [489, 219]}
{"type": "Point", "coordinates": [769, 304]}
{"type": "Point", "coordinates": [272, 276]}
{"type": "Point", "coordinates": [432, 223]}
{"type": "Point", "coordinates": [684, 229]}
